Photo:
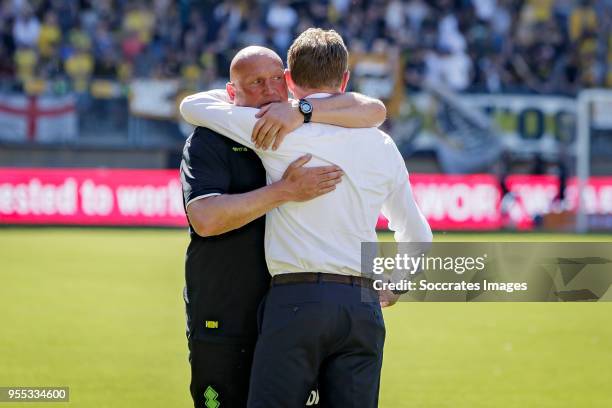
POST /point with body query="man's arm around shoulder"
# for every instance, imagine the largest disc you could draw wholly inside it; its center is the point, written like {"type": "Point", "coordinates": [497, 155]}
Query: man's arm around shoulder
{"type": "Point", "coordinates": [222, 213]}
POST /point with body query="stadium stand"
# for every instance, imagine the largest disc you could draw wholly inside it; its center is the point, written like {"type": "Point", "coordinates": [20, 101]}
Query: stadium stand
{"type": "Point", "coordinates": [108, 74]}
{"type": "Point", "coordinates": [540, 46]}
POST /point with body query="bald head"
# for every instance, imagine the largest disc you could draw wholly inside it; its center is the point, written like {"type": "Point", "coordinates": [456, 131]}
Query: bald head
{"type": "Point", "coordinates": [249, 56]}
{"type": "Point", "coordinates": [256, 78]}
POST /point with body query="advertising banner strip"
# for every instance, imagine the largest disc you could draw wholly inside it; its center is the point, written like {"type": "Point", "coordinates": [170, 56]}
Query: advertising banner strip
{"type": "Point", "coordinates": [124, 197]}
{"type": "Point", "coordinates": [91, 197]}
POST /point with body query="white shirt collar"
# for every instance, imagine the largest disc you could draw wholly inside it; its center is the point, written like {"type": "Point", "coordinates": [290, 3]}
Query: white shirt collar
{"type": "Point", "coordinates": [319, 95]}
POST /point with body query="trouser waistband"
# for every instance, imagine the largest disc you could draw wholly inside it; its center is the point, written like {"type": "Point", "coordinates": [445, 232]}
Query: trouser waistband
{"type": "Point", "coordinates": [316, 277]}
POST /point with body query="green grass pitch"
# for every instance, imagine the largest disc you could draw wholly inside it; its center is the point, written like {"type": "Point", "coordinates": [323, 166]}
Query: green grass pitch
{"type": "Point", "coordinates": [101, 311]}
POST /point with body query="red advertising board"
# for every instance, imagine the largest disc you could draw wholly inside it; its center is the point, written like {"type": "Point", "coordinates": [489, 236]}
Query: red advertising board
{"type": "Point", "coordinates": [539, 195]}
{"type": "Point", "coordinates": [453, 202]}
{"type": "Point", "coordinates": [597, 195]}
{"type": "Point", "coordinates": [153, 198]}
{"type": "Point", "coordinates": [531, 195]}
{"type": "Point", "coordinates": [91, 197]}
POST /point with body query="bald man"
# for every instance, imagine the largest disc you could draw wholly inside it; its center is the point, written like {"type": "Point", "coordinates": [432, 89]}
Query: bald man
{"type": "Point", "coordinates": [226, 198]}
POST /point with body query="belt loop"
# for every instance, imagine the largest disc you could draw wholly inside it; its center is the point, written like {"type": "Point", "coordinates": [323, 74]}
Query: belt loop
{"type": "Point", "coordinates": [353, 279]}
{"type": "Point", "coordinates": [319, 277]}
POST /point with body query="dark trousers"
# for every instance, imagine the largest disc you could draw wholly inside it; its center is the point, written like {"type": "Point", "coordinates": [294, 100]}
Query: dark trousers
{"type": "Point", "coordinates": [220, 373]}
{"type": "Point", "coordinates": [329, 331]}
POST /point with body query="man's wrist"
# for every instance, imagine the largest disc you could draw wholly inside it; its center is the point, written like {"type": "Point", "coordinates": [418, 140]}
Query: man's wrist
{"type": "Point", "coordinates": [281, 192]}
{"type": "Point", "coordinates": [297, 116]}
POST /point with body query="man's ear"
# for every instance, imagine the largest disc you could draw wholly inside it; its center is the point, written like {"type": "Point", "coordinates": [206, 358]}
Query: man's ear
{"type": "Point", "coordinates": [289, 80]}
{"type": "Point", "coordinates": [231, 91]}
{"type": "Point", "coordinates": [345, 78]}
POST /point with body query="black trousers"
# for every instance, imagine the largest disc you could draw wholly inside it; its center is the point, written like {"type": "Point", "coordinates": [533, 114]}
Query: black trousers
{"type": "Point", "coordinates": [330, 331]}
{"type": "Point", "coordinates": [220, 372]}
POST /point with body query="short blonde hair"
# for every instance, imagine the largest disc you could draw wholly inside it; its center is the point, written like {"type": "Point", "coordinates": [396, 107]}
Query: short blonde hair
{"type": "Point", "coordinates": [318, 59]}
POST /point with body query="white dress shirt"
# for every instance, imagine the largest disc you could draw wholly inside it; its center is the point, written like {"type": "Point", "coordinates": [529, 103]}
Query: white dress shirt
{"type": "Point", "coordinates": [324, 234]}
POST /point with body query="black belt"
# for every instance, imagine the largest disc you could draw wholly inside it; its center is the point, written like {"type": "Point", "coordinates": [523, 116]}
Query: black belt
{"type": "Point", "coordinates": [316, 277]}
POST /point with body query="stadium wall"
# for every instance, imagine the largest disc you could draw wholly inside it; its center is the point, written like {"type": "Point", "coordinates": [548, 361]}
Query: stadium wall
{"type": "Point", "coordinates": [54, 156]}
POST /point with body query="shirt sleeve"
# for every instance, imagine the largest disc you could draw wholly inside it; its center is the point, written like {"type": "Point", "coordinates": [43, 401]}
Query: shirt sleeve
{"type": "Point", "coordinates": [211, 110]}
{"type": "Point", "coordinates": [412, 232]}
{"type": "Point", "coordinates": [205, 170]}
{"type": "Point", "coordinates": [405, 217]}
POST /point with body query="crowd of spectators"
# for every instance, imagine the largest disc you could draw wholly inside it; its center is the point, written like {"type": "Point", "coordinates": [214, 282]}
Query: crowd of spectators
{"type": "Point", "coordinates": [537, 46]}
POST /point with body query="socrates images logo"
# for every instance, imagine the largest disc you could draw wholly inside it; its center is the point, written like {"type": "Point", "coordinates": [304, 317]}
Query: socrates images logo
{"type": "Point", "coordinates": [211, 398]}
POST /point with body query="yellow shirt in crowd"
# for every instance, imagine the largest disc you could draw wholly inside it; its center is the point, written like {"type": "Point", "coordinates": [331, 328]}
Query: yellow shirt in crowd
{"type": "Point", "coordinates": [25, 61]}
{"type": "Point", "coordinates": [582, 19]}
{"type": "Point", "coordinates": [140, 21]}
{"type": "Point", "coordinates": [48, 39]}
{"type": "Point", "coordinates": [79, 67]}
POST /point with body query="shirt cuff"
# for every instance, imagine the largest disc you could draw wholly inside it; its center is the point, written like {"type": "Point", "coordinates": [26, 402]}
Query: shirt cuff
{"type": "Point", "coordinates": [201, 197]}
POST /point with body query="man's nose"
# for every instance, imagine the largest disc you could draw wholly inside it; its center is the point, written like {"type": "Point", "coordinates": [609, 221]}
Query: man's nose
{"type": "Point", "coordinates": [268, 87]}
